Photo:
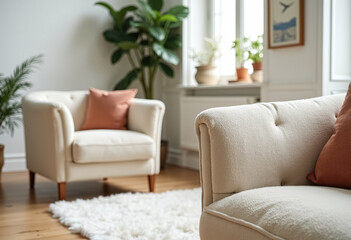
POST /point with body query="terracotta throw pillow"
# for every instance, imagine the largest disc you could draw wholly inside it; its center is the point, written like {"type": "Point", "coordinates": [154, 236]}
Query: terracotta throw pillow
{"type": "Point", "coordinates": [333, 167]}
{"type": "Point", "coordinates": [108, 109]}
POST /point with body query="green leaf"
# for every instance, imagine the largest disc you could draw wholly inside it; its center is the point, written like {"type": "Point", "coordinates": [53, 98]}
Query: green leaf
{"type": "Point", "coordinates": [127, 23]}
{"type": "Point", "coordinates": [157, 14]}
{"type": "Point", "coordinates": [156, 4]}
{"type": "Point", "coordinates": [116, 36]}
{"type": "Point", "coordinates": [165, 54]}
{"type": "Point", "coordinates": [166, 69]}
{"type": "Point", "coordinates": [180, 12]}
{"type": "Point", "coordinates": [173, 41]}
{"type": "Point", "coordinates": [167, 18]}
{"type": "Point", "coordinates": [127, 45]}
{"type": "Point", "coordinates": [141, 25]}
{"type": "Point", "coordinates": [122, 13]}
{"type": "Point", "coordinates": [127, 80]}
{"type": "Point", "coordinates": [175, 25]}
{"type": "Point", "coordinates": [147, 9]}
{"type": "Point", "coordinates": [157, 32]}
{"type": "Point", "coordinates": [116, 56]}
{"type": "Point", "coordinates": [110, 9]}
{"type": "Point", "coordinates": [129, 8]}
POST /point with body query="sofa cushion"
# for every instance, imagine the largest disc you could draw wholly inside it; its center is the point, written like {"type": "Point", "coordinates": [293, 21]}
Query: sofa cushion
{"type": "Point", "coordinates": [111, 145]}
{"type": "Point", "coordinates": [290, 212]}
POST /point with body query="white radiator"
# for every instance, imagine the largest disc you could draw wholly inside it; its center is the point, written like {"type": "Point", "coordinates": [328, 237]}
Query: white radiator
{"type": "Point", "coordinates": [190, 107]}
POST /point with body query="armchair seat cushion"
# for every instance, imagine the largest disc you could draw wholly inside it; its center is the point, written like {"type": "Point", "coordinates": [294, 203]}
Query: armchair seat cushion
{"type": "Point", "coordinates": [94, 146]}
{"type": "Point", "coordinates": [289, 212]}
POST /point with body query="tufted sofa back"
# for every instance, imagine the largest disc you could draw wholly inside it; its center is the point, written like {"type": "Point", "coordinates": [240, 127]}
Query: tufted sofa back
{"type": "Point", "coordinates": [265, 144]}
{"type": "Point", "coordinates": [75, 101]}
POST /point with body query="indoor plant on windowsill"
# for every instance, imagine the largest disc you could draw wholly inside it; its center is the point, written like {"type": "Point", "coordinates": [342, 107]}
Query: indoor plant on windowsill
{"type": "Point", "coordinates": [241, 46]}
{"type": "Point", "coordinates": [11, 89]}
{"type": "Point", "coordinates": [256, 55]}
{"type": "Point", "coordinates": [149, 38]}
{"type": "Point", "coordinates": [206, 70]}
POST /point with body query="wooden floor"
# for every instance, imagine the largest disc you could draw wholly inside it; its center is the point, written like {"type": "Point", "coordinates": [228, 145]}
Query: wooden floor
{"type": "Point", "coordinates": [24, 213]}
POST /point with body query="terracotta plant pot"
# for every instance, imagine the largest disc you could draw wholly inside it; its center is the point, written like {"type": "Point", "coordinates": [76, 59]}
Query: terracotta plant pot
{"type": "Point", "coordinates": [257, 75]}
{"type": "Point", "coordinates": [207, 74]}
{"type": "Point", "coordinates": [257, 66]}
{"type": "Point", "coordinates": [2, 147]}
{"type": "Point", "coordinates": [243, 75]}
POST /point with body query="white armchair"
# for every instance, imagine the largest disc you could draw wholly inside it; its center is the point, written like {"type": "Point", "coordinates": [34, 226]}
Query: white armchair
{"type": "Point", "coordinates": [254, 160]}
{"type": "Point", "coordinates": [56, 149]}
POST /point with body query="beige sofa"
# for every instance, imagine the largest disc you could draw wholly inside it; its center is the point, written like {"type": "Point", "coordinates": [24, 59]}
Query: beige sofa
{"type": "Point", "coordinates": [56, 149]}
{"type": "Point", "coordinates": [254, 160]}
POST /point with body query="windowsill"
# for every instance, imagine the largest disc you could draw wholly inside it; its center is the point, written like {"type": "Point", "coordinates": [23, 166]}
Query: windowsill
{"type": "Point", "coordinates": [221, 86]}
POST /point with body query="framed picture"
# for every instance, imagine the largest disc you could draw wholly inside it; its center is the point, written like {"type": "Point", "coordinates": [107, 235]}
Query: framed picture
{"type": "Point", "coordinates": [285, 23]}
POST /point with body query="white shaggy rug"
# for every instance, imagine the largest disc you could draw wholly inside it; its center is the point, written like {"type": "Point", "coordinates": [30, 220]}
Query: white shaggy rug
{"type": "Point", "coordinates": [169, 215]}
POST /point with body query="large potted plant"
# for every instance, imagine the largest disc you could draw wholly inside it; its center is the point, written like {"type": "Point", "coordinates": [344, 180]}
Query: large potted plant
{"type": "Point", "coordinates": [206, 70]}
{"type": "Point", "coordinates": [11, 90]}
{"type": "Point", "coordinates": [241, 46]}
{"type": "Point", "coordinates": [148, 37]}
{"type": "Point", "coordinates": [256, 55]}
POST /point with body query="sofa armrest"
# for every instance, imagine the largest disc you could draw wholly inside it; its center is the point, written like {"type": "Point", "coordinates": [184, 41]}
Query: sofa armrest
{"type": "Point", "coordinates": [49, 133]}
{"type": "Point", "coordinates": [265, 144]}
{"type": "Point", "coordinates": [146, 116]}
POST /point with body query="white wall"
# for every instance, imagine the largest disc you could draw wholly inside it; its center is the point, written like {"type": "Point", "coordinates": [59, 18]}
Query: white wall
{"type": "Point", "coordinates": [293, 72]}
{"type": "Point", "coordinates": [341, 40]}
{"type": "Point", "coordinates": [69, 34]}
{"type": "Point", "coordinates": [313, 69]}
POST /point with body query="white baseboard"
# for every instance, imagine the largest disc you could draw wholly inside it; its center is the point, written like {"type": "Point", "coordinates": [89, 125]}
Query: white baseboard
{"type": "Point", "coordinates": [15, 162]}
{"type": "Point", "coordinates": [174, 157]}
{"type": "Point", "coordinates": [183, 158]}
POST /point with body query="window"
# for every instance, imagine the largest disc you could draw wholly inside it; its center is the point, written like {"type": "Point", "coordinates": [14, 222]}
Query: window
{"type": "Point", "coordinates": [232, 19]}
{"type": "Point", "coordinates": [224, 26]}
{"type": "Point", "coordinates": [253, 18]}
{"type": "Point", "coordinates": [219, 18]}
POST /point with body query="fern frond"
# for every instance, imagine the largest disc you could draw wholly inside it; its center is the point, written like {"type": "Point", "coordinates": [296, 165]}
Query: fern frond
{"type": "Point", "coordinates": [10, 94]}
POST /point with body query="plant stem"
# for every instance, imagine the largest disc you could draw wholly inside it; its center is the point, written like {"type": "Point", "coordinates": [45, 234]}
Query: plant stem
{"type": "Point", "coordinates": [167, 32]}
{"type": "Point", "coordinates": [131, 61]}
{"type": "Point", "coordinates": [151, 79]}
{"type": "Point", "coordinates": [141, 79]}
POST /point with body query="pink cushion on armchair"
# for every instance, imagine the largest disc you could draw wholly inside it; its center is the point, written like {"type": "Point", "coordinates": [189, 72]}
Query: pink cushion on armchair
{"type": "Point", "coordinates": [108, 109]}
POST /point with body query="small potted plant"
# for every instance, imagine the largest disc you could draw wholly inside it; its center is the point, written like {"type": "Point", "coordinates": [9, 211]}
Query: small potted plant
{"type": "Point", "coordinates": [241, 46]}
{"type": "Point", "coordinates": [11, 89]}
{"type": "Point", "coordinates": [256, 55]}
{"type": "Point", "coordinates": [206, 70]}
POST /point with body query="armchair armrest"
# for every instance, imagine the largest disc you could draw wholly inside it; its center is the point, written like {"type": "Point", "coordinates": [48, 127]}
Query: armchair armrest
{"type": "Point", "coordinates": [266, 144]}
{"type": "Point", "coordinates": [146, 116]}
{"type": "Point", "coordinates": [49, 133]}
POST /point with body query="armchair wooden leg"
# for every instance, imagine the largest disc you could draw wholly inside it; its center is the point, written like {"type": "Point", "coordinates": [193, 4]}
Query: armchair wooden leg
{"type": "Point", "coordinates": [61, 190]}
{"type": "Point", "coordinates": [105, 179]}
{"type": "Point", "coordinates": [31, 179]}
{"type": "Point", "coordinates": [151, 179]}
